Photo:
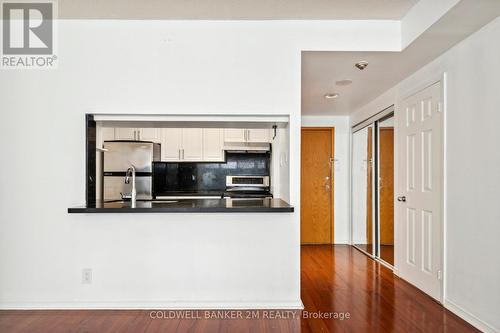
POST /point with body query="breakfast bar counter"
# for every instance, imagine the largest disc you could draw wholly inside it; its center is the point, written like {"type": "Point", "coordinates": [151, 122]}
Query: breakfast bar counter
{"type": "Point", "coordinates": [261, 205]}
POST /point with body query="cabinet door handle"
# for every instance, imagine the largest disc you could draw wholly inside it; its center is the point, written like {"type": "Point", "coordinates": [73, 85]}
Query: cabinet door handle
{"type": "Point", "coordinates": [179, 153]}
{"type": "Point", "coordinates": [182, 153]}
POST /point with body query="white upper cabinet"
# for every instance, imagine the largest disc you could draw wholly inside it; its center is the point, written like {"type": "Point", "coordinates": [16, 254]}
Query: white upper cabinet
{"type": "Point", "coordinates": [213, 144]}
{"type": "Point", "coordinates": [125, 133]}
{"type": "Point", "coordinates": [149, 134]}
{"type": "Point", "coordinates": [189, 144]}
{"type": "Point", "coordinates": [192, 144]}
{"type": "Point", "coordinates": [241, 135]}
{"type": "Point", "coordinates": [107, 133]}
{"type": "Point", "coordinates": [181, 144]}
{"type": "Point", "coordinates": [171, 143]}
{"type": "Point", "coordinates": [234, 135]}
{"type": "Point", "coordinates": [258, 135]}
{"type": "Point", "coordinates": [139, 134]}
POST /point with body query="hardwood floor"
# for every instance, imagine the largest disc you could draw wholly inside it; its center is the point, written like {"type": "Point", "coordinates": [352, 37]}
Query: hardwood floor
{"type": "Point", "coordinates": [386, 251]}
{"type": "Point", "coordinates": [334, 279]}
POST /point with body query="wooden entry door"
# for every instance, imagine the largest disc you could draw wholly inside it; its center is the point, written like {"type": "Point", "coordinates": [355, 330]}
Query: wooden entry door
{"type": "Point", "coordinates": [316, 203]}
{"type": "Point", "coordinates": [386, 185]}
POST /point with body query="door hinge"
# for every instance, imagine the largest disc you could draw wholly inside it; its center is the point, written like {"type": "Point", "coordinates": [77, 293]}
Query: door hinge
{"type": "Point", "coordinates": [440, 275]}
{"type": "Point", "coordinates": [439, 107]}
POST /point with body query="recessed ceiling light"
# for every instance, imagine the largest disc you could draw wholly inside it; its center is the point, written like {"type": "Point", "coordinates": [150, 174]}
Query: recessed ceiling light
{"type": "Point", "coordinates": [361, 65]}
{"type": "Point", "coordinates": [331, 96]}
{"type": "Point", "coordinates": [345, 82]}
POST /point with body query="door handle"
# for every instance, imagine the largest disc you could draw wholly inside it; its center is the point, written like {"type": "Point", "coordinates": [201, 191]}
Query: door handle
{"type": "Point", "coordinates": [327, 183]}
{"type": "Point", "coordinates": [402, 199]}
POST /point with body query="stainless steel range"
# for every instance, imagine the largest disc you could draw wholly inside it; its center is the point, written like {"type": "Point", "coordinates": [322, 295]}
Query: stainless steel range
{"type": "Point", "coordinates": [247, 187]}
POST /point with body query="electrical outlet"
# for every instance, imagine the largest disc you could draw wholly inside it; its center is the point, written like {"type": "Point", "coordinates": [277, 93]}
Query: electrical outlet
{"type": "Point", "coordinates": [87, 276]}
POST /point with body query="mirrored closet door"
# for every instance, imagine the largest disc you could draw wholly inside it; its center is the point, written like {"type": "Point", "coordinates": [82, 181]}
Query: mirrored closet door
{"type": "Point", "coordinates": [372, 187]}
{"type": "Point", "coordinates": [362, 189]}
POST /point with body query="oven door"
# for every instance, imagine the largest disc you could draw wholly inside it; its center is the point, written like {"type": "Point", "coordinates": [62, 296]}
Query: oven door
{"type": "Point", "coordinates": [247, 181]}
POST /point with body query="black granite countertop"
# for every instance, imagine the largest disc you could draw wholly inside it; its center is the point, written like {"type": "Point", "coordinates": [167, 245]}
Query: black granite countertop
{"type": "Point", "coordinates": [190, 194]}
{"type": "Point", "coordinates": [266, 205]}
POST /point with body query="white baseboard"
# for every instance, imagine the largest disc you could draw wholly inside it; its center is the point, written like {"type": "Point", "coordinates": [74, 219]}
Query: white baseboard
{"type": "Point", "coordinates": [152, 305]}
{"type": "Point", "coordinates": [359, 241]}
{"type": "Point", "coordinates": [341, 242]}
{"type": "Point", "coordinates": [469, 317]}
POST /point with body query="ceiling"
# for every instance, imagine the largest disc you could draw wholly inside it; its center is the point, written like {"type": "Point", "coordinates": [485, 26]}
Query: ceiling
{"type": "Point", "coordinates": [235, 9]}
{"type": "Point", "coordinates": [320, 70]}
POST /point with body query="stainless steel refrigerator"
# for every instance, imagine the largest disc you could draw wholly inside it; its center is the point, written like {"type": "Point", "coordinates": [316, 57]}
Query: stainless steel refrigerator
{"type": "Point", "coordinates": [121, 155]}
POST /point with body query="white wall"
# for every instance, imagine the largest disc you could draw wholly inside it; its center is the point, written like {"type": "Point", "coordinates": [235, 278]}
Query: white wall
{"type": "Point", "coordinates": [472, 177]}
{"type": "Point", "coordinates": [149, 67]}
{"type": "Point", "coordinates": [341, 171]}
{"type": "Point", "coordinates": [422, 16]}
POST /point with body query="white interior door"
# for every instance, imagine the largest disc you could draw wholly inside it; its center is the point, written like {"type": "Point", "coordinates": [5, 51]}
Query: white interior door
{"type": "Point", "coordinates": [420, 190]}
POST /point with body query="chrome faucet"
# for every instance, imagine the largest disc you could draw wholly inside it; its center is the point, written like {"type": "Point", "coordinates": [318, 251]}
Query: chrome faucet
{"type": "Point", "coordinates": [131, 173]}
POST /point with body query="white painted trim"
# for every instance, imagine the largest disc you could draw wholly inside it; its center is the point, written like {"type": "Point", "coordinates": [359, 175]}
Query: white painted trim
{"type": "Point", "coordinates": [469, 317]}
{"type": "Point", "coordinates": [444, 198]}
{"type": "Point", "coordinates": [384, 263]}
{"type": "Point", "coordinates": [341, 242]}
{"type": "Point", "coordinates": [153, 305]}
{"type": "Point", "coordinates": [367, 122]}
{"type": "Point", "coordinates": [421, 85]}
{"type": "Point", "coordinates": [396, 187]}
{"type": "Point", "coordinates": [349, 200]}
{"type": "Point", "coordinates": [191, 118]}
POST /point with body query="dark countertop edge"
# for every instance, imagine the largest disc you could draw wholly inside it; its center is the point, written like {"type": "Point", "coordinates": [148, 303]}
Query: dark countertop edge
{"type": "Point", "coordinates": [194, 193]}
{"type": "Point", "coordinates": [77, 210]}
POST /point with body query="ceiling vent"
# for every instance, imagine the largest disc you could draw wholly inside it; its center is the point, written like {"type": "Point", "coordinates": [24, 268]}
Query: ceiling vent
{"type": "Point", "coordinates": [345, 82]}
